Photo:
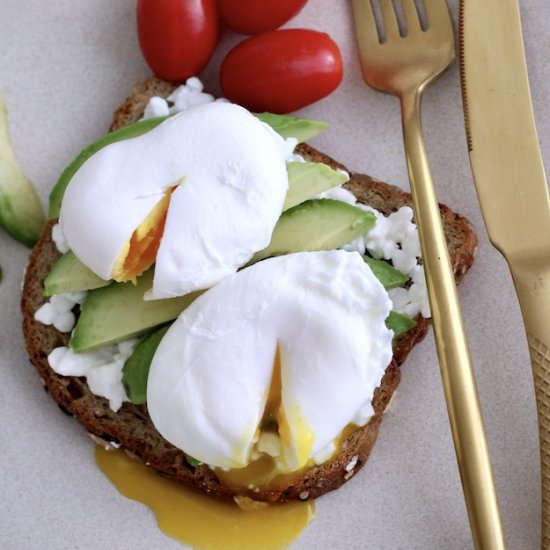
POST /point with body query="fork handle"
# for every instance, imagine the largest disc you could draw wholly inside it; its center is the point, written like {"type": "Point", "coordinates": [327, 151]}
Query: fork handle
{"type": "Point", "coordinates": [533, 289]}
{"type": "Point", "coordinates": [452, 349]}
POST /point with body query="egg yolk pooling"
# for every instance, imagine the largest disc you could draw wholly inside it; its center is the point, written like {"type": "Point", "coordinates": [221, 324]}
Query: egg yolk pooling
{"type": "Point", "coordinates": [200, 521]}
{"type": "Point", "coordinates": [140, 251]}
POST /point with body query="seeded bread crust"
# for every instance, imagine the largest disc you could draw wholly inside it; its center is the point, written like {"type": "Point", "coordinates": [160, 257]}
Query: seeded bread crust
{"type": "Point", "coordinates": [131, 427]}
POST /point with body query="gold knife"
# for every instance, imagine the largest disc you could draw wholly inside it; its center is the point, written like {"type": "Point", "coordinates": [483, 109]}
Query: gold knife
{"type": "Point", "coordinates": [510, 181]}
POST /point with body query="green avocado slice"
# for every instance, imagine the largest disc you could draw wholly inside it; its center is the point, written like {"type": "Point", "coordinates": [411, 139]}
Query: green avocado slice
{"type": "Point", "coordinates": [136, 368]}
{"type": "Point", "coordinates": [69, 274]}
{"type": "Point", "coordinates": [21, 213]}
{"type": "Point", "coordinates": [308, 179]}
{"type": "Point", "coordinates": [119, 312]}
{"type": "Point", "coordinates": [289, 126]}
{"type": "Point", "coordinates": [317, 224]}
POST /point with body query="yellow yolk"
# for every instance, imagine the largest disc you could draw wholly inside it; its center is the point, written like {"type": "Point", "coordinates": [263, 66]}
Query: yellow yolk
{"type": "Point", "coordinates": [140, 251]}
{"type": "Point", "coordinates": [200, 521]}
{"type": "Point", "coordinates": [266, 472]}
{"type": "Point", "coordinates": [296, 438]}
{"type": "Point", "coordinates": [263, 473]}
{"type": "Point", "coordinates": [272, 472]}
{"type": "Point", "coordinates": [295, 434]}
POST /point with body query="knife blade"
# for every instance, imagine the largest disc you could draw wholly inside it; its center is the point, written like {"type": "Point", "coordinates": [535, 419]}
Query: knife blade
{"type": "Point", "coordinates": [510, 181]}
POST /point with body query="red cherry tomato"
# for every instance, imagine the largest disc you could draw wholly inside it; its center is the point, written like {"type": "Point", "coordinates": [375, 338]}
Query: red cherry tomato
{"type": "Point", "coordinates": [281, 71]}
{"type": "Point", "coordinates": [177, 37]}
{"type": "Point", "coordinates": [253, 17]}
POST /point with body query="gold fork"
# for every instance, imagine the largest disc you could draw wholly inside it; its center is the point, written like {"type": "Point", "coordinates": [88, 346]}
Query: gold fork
{"type": "Point", "coordinates": [403, 61]}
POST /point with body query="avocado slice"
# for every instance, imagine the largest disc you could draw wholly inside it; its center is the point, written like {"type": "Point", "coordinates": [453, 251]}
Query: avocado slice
{"type": "Point", "coordinates": [136, 368]}
{"type": "Point", "coordinates": [317, 224]}
{"type": "Point", "coordinates": [69, 274]}
{"type": "Point", "coordinates": [118, 312]}
{"type": "Point", "coordinates": [290, 126]}
{"type": "Point", "coordinates": [386, 273]}
{"type": "Point", "coordinates": [285, 125]}
{"type": "Point", "coordinates": [21, 213]}
{"type": "Point", "coordinates": [307, 179]}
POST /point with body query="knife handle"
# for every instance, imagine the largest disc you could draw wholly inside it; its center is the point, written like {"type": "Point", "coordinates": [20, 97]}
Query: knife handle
{"type": "Point", "coordinates": [533, 289]}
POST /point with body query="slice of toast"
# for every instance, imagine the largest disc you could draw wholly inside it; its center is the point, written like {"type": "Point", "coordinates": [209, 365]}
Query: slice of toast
{"type": "Point", "coordinates": [131, 427]}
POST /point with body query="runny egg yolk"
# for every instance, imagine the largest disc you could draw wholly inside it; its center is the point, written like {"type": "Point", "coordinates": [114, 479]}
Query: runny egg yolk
{"type": "Point", "coordinates": [286, 462]}
{"type": "Point", "coordinates": [295, 434]}
{"type": "Point", "coordinates": [140, 251]}
{"type": "Point", "coordinates": [200, 521]}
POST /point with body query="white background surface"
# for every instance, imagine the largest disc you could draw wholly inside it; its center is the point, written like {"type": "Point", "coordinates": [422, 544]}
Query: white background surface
{"type": "Point", "coordinates": [64, 66]}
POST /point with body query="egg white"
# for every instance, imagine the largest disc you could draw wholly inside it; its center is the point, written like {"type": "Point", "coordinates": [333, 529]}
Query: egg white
{"type": "Point", "coordinates": [210, 377]}
{"type": "Point", "coordinates": [229, 181]}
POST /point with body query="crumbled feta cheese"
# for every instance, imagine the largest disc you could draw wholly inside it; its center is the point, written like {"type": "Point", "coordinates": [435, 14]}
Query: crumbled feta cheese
{"type": "Point", "coordinates": [65, 321]}
{"type": "Point", "coordinates": [194, 83]}
{"type": "Point", "coordinates": [58, 311]}
{"type": "Point", "coordinates": [184, 96]}
{"type": "Point", "coordinates": [102, 369]}
{"type": "Point", "coordinates": [393, 238]}
{"type": "Point", "coordinates": [191, 93]}
{"type": "Point", "coordinates": [107, 445]}
{"type": "Point", "coordinates": [46, 314]}
{"type": "Point", "coordinates": [290, 155]}
{"type": "Point", "coordinates": [59, 239]}
{"type": "Point", "coordinates": [157, 106]}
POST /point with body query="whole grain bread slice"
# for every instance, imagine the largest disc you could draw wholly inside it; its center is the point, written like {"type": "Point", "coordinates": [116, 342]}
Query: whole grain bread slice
{"type": "Point", "coordinates": [131, 427]}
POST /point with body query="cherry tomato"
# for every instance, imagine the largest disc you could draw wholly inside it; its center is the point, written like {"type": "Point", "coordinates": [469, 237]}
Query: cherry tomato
{"type": "Point", "coordinates": [177, 37]}
{"type": "Point", "coordinates": [253, 17]}
{"type": "Point", "coordinates": [281, 71]}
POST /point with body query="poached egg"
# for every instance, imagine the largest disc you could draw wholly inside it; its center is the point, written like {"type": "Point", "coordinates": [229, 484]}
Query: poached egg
{"type": "Point", "coordinates": [197, 196]}
{"type": "Point", "coordinates": [294, 345]}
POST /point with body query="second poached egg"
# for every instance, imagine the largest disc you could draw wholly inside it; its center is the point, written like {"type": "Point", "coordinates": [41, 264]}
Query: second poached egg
{"type": "Point", "coordinates": [298, 340]}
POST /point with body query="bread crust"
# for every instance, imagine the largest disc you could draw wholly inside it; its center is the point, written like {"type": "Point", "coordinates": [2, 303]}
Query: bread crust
{"type": "Point", "coordinates": [131, 427]}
